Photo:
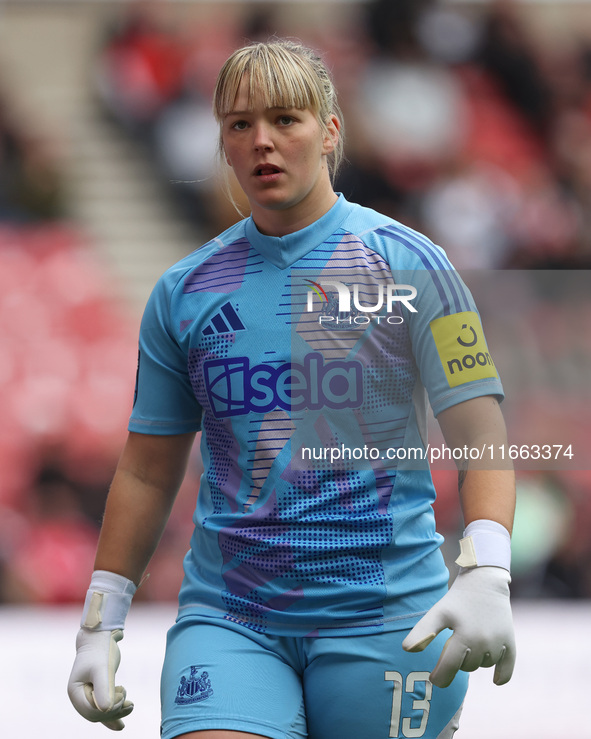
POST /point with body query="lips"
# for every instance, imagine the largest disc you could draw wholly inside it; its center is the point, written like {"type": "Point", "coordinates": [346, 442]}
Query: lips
{"type": "Point", "coordinates": [265, 170]}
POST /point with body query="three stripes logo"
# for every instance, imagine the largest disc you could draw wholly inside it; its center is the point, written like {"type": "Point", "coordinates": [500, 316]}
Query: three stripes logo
{"type": "Point", "coordinates": [225, 321]}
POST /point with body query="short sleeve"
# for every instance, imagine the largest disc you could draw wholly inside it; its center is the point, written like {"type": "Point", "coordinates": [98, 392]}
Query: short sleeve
{"type": "Point", "coordinates": [164, 401]}
{"type": "Point", "coordinates": [448, 341]}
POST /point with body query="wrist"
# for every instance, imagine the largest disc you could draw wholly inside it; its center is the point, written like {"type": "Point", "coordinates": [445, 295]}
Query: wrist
{"type": "Point", "coordinates": [485, 543]}
{"type": "Point", "coordinates": [107, 601]}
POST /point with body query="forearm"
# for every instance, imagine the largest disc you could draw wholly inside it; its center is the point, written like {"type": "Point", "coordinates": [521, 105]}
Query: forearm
{"type": "Point", "coordinates": [486, 484]}
{"type": "Point", "coordinates": [135, 517]}
{"type": "Point", "coordinates": [141, 497]}
{"type": "Point", "coordinates": [488, 494]}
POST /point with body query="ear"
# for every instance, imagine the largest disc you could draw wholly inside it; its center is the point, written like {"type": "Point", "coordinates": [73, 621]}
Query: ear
{"type": "Point", "coordinates": [331, 138]}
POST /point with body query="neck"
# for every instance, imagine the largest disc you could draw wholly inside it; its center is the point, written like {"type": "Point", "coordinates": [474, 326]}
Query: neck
{"type": "Point", "coordinates": [281, 222]}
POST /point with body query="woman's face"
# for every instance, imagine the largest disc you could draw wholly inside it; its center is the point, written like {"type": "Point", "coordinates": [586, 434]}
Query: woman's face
{"type": "Point", "coordinates": [279, 158]}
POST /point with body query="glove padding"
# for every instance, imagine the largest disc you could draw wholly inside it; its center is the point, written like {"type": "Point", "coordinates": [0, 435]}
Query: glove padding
{"type": "Point", "coordinates": [478, 610]}
{"type": "Point", "coordinates": [91, 686]}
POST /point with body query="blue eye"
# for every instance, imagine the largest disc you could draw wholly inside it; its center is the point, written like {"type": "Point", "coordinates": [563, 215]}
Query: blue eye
{"type": "Point", "coordinates": [239, 125]}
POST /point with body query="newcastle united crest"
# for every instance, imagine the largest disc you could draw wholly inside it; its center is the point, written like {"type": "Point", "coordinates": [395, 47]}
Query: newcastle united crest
{"type": "Point", "coordinates": [196, 687]}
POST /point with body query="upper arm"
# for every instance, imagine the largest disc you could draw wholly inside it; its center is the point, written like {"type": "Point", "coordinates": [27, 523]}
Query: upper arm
{"type": "Point", "coordinates": [473, 421]}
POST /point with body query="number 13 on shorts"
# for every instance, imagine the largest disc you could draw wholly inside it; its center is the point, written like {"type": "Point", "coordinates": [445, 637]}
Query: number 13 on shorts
{"type": "Point", "coordinates": [404, 726]}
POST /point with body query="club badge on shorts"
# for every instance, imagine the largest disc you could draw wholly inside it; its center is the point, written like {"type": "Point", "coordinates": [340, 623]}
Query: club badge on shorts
{"type": "Point", "coordinates": [197, 687]}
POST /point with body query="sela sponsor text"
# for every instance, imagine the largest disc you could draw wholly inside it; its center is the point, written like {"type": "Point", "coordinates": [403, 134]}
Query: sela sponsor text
{"type": "Point", "coordinates": [235, 388]}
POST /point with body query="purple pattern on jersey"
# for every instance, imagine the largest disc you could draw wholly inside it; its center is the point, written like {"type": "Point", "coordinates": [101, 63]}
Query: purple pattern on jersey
{"type": "Point", "coordinates": [272, 436]}
{"type": "Point", "coordinates": [444, 276]}
{"type": "Point", "coordinates": [331, 522]}
{"type": "Point", "coordinates": [351, 262]}
{"type": "Point", "coordinates": [225, 270]}
{"type": "Point", "coordinates": [332, 527]}
{"type": "Point", "coordinates": [382, 347]}
{"type": "Point", "coordinates": [214, 347]}
{"type": "Point", "coordinates": [390, 368]}
{"type": "Point", "coordinates": [223, 473]}
{"type": "Point", "coordinates": [256, 549]}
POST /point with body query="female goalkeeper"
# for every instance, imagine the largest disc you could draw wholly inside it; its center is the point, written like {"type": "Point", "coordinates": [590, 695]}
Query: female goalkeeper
{"type": "Point", "coordinates": [305, 342]}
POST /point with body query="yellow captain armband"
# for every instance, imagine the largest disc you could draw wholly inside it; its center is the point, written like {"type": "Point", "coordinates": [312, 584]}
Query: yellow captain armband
{"type": "Point", "coordinates": [462, 348]}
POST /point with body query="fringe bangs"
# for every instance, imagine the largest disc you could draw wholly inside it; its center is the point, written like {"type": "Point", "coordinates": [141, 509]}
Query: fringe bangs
{"type": "Point", "coordinates": [276, 76]}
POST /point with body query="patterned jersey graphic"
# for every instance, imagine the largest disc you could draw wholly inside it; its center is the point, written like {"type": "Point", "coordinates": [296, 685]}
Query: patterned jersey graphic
{"type": "Point", "coordinates": [282, 350]}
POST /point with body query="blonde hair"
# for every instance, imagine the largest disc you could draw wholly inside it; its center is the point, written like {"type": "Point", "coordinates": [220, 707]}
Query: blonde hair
{"type": "Point", "coordinates": [282, 74]}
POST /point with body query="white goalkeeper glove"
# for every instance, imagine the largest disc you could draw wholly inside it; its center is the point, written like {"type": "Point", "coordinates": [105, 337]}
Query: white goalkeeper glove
{"type": "Point", "coordinates": [91, 686]}
{"type": "Point", "coordinates": [476, 607]}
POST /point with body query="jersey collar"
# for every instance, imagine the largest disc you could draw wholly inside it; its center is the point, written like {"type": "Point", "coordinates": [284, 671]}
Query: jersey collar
{"type": "Point", "coordinates": [283, 251]}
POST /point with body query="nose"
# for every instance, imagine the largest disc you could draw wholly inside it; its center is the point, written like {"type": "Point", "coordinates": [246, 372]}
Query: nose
{"type": "Point", "coordinates": [262, 140]}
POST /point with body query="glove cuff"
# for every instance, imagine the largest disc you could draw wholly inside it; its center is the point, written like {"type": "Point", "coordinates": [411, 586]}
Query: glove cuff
{"type": "Point", "coordinates": [107, 601]}
{"type": "Point", "coordinates": [485, 543]}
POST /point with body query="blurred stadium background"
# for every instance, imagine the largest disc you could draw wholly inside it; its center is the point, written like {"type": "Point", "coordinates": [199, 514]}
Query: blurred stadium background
{"type": "Point", "coordinates": [470, 121]}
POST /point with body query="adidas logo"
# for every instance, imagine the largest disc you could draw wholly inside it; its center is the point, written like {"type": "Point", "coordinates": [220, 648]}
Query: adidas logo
{"type": "Point", "coordinates": [225, 321]}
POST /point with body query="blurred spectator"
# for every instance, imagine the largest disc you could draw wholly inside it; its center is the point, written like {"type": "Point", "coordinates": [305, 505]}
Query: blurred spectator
{"type": "Point", "coordinates": [140, 67]}
{"type": "Point", "coordinates": [67, 364]}
{"type": "Point", "coordinates": [567, 573]}
{"type": "Point", "coordinates": [410, 114]}
{"type": "Point", "coordinates": [30, 182]}
{"type": "Point", "coordinates": [509, 54]}
{"type": "Point", "coordinates": [472, 211]}
{"type": "Point", "coordinates": [156, 78]}
{"type": "Point", "coordinates": [54, 551]}
{"type": "Point", "coordinates": [547, 224]}
{"type": "Point", "coordinates": [393, 27]}
{"type": "Point", "coordinates": [444, 109]}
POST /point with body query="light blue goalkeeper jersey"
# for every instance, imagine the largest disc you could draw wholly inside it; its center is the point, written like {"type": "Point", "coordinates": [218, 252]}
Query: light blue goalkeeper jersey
{"type": "Point", "coordinates": [307, 361]}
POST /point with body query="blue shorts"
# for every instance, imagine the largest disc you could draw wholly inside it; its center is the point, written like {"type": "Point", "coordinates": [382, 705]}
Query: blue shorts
{"type": "Point", "coordinates": [219, 675]}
